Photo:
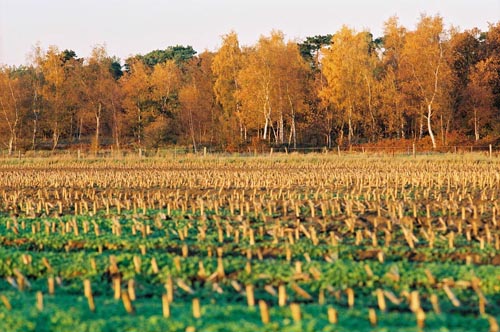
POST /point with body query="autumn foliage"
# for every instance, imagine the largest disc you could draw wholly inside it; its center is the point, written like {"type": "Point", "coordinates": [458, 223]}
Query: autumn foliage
{"type": "Point", "coordinates": [342, 89]}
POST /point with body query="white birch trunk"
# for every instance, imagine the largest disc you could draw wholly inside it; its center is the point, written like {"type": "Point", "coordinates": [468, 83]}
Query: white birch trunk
{"type": "Point", "coordinates": [429, 125]}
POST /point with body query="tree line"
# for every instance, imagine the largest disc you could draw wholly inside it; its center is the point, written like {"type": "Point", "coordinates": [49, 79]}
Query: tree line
{"type": "Point", "coordinates": [340, 89]}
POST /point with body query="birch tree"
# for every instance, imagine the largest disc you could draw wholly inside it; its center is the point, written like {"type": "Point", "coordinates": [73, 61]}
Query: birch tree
{"type": "Point", "coordinates": [137, 101]}
{"type": "Point", "coordinates": [425, 68]}
{"type": "Point", "coordinates": [226, 67]}
{"type": "Point", "coordinates": [98, 87]}
{"type": "Point", "coordinates": [348, 68]}
{"type": "Point", "coordinates": [271, 90]}
{"type": "Point", "coordinates": [52, 91]}
{"type": "Point", "coordinates": [391, 94]}
{"type": "Point", "coordinates": [10, 107]}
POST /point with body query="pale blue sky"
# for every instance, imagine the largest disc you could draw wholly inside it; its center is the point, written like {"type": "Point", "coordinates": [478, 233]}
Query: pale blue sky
{"type": "Point", "coordinates": [132, 26]}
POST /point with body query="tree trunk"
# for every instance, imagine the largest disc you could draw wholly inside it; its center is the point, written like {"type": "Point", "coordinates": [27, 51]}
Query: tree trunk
{"type": "Point", "coordinates": [421, 131]}
{"type": "Point", "coordinates": [33, 137]}
{"type": "Point", "coordinates": [80, 128]}
{"type": "Point", "coordinates": [97, 126]}
{"type": "Point", "coordinates": [429, 126]}
{"type": "Point", "coordinates": [11, 144]}
{"type": "Point", "coordinates": [71, 133]}
{"type": "Point", "coordinates": [275, 133]}
{"type": "Point", "coordinates": [264, 135]}
{"type": "Point", "coordinates": [139, 125]}
{"type": "Point", "coordinates": [35, 120]}
{"type": "Point", "coordinates": [448, 124]}
{"type": "Point", "coordinates": [116, 132]}
{"type": "Point", "coordinates": [370, 110]}
{"type": "Point", "coordinates": [267, 115]}
{"type": "Point", "coordinates": [12, 137]}
{"type": "Point", "coordinates": [350, 131]}
{"type": "Point", "coordinates": [281, 129]}
{"type": "Point", "coordinates": [341, 137]}
{"type": "Point", "coordinates": [441, 129]}
{"type": "Point", "coordinates": [476, 129]}
{"type": "Point", "coordinates": [55, 139]}
{"type": "Point", "coordinates": [293, 133]}
{"type": "Point", "coordinates": [194, 139]}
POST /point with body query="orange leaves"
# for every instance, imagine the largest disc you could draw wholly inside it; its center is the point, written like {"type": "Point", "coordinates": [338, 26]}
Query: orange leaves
{"type": "Point", "coordinates": [350, 78]}
{"type": "Point", "coordinates": [165, 80]}
{"type": "Point", "coordinates": [270, 85]}
{"type": "Point", "coordinates": [406, 83]}
{"type": "Point", "coordinates": [226, 65]}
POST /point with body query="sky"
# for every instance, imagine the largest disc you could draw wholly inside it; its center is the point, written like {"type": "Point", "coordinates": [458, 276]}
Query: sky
{"type": "Point", "coordinates": [128, 27]}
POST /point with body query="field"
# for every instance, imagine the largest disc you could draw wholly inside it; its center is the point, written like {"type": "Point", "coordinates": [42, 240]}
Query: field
{"type": "Point", "coordinates": [271, 243]}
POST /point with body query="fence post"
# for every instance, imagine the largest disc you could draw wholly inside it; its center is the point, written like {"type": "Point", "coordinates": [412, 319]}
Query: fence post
{"type": "Point", "coordinates": [271, 152]}
{"type": "Point", "coordinates": [338, 150]}
{"type": "Point", "coordinates": [204, 151]}
{"type": "Point", "coordinates": [414, 149]}
{"type": "Point", "coordinates": [491, 150]}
